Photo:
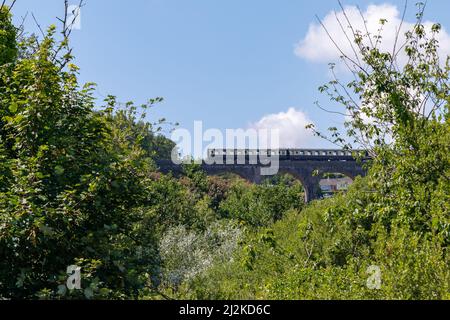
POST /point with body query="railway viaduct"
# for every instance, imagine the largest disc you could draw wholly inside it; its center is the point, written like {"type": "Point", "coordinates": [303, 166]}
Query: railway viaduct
{"type": "Point", "coordinates": [307, 171]}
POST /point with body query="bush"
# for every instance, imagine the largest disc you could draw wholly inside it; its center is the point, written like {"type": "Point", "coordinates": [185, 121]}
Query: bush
{"type": "Point", "coordinates": [260, 205]}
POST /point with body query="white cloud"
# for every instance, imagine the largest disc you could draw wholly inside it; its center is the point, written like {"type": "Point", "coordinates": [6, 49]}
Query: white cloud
{"type": "Point", "coordinates": [317, 46]}
{"type": "Point", "coordinates": [291, 127]}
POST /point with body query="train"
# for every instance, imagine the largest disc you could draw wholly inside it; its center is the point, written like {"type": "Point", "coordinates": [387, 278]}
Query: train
{"type": "Point", "coordinates": [291, 154]}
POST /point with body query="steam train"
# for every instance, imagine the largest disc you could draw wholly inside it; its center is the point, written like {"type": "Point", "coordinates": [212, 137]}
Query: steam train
{"type": "Point", "coordinates": [290, 154]}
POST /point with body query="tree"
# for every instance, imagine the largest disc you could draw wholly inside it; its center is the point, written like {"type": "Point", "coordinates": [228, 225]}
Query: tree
{"type": "Point", "coordinates": [399, 112]}
{"type": "Point", "coordinates": [74, 178]}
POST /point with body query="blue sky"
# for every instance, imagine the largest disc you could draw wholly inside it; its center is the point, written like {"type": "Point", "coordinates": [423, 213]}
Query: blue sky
{"type": "Point", "coordinates": [228, 63]}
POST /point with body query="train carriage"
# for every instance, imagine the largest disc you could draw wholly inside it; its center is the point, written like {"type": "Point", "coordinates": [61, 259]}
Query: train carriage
{"type": "Point", "coordinates": [289, 154]}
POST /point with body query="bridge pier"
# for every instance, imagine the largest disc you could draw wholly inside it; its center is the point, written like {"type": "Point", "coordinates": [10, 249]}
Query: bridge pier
{"type": "Point", "coordinates": [257, 178]}
{"type": "Point", "coordinates": [312, 188]}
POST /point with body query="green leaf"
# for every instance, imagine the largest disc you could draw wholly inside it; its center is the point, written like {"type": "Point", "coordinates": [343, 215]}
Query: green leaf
{"type": "Point", "coordinates": [39, 175]}
{"type": "Point", "coordinates": [13, 107]}
{"type": "Point", "coordinates": [59, 170]}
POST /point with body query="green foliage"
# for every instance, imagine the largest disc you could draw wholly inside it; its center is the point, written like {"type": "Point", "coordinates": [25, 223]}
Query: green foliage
{"type": "Point", "coordinates": [75, 183]}
{"type": "Point", "coordinates": [8, 34]}
{"type": "Point", "coordinates": [261, 205]}
{"type": "Point", "coordinates": [78, 186]}
{"type": "Point", "coordinates": [324, 252]}
{"type": "Point", "coordinates": [130, 130]}
{"type": "Point", "coordinates": [396, 219]}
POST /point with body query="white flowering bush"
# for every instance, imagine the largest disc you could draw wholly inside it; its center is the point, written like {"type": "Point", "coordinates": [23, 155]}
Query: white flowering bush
{"type": "Point", "coordinates": [186, 253]}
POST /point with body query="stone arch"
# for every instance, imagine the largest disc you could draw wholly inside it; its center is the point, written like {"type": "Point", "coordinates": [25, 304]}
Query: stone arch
{"type": "Point", "coordinates": [246, 173]}
{"type": "Point", "coordinates": [332, 183]}
{"type": "Point", "coordinates": [308, 183]}
{"type": "Point", "coordinates": [236, 173]}
{"type": "Point", "coordinates": [293, 173]}
{"type": "Point", "coordinates": [310, 173]}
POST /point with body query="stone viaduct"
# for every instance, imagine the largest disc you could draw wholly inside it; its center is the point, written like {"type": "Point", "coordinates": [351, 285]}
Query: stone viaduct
{"type": "Point", "coordinates": [307, 171]}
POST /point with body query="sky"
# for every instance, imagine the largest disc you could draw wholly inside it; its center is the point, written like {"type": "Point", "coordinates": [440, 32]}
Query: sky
{"type": "Point", "coordinates": [228, 63]}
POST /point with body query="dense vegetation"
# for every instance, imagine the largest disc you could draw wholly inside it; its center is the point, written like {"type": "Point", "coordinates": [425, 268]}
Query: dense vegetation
{"type": "Point", "coordinates": [79, 186]}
